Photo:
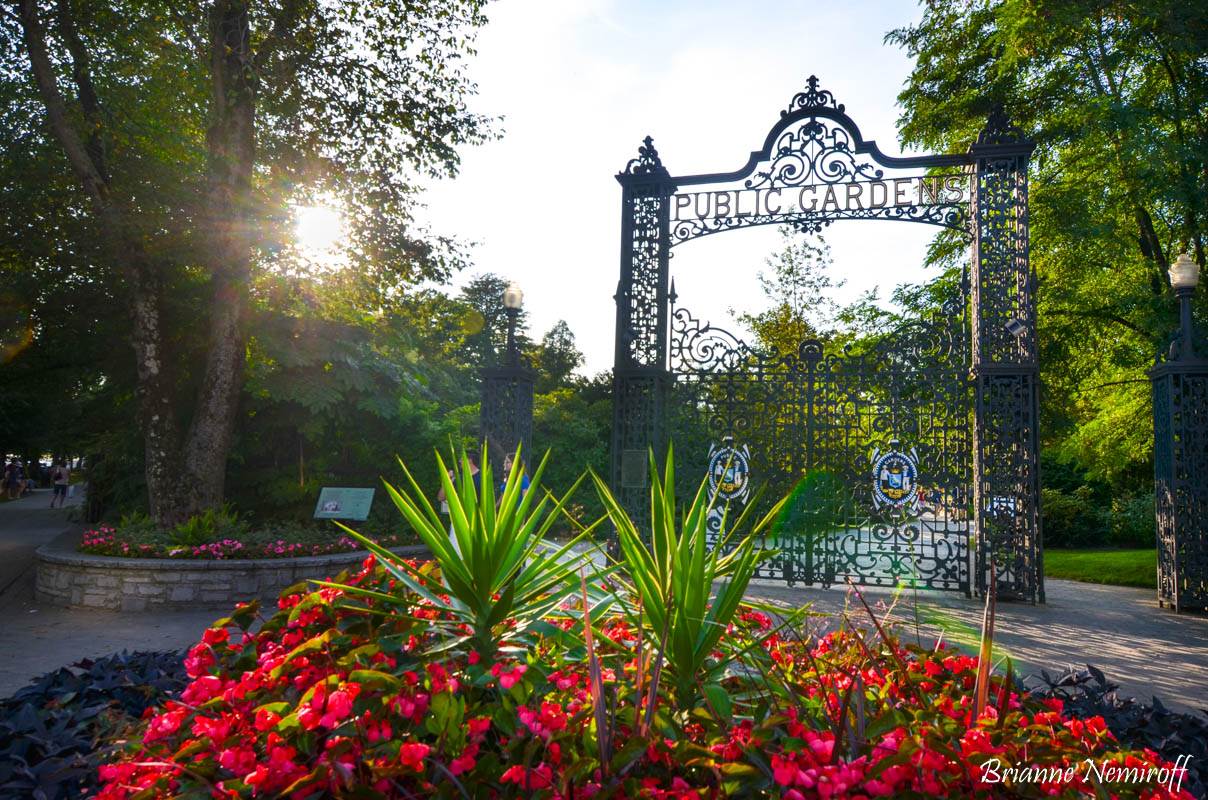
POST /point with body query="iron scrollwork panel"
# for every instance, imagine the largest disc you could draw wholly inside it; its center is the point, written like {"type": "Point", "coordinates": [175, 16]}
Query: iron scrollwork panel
{"type": "Point", "coordinates": [813, 422]}
{"type": "Point", "coordinates": [506, 414]}
{"type": "Point", "coordinates": [1180, 393]}
{"type": "Point", "coordinates": [1005, 366]}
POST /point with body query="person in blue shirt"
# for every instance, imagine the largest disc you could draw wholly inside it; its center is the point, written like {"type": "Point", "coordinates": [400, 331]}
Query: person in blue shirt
{"type": "Point", "coordinates": [508, 461]}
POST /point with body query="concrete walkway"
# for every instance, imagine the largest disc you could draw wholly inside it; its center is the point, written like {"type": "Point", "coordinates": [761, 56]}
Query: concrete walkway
{"type": "Point", "coordinates": [36, 638]}
{"type": "Point", "coordinates": [1146, 650]}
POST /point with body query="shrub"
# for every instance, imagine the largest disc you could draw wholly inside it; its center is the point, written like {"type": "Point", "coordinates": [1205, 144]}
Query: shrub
{"type": "Point", "coordinates": [1133, 522]}
{"type": "Point", "coordinates": [135, 523]}
{"type": "Point", "coordinates": [207, 528]}
{"type": "Point", "coordinates": [491, 560]}
{"type": "Point", "coordinates": [1073, 520]}
{"type": "Point", "coordinates": [50, 730]}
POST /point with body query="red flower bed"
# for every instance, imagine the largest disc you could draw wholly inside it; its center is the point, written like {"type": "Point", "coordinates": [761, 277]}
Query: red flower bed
{"type": "Point", "coordinates": [109, 542]}
{"type": "Point", "coordinates": [338, 698]}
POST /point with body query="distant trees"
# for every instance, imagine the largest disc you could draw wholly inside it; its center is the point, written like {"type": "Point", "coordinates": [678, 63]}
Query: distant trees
{"type": "Point", "coordinates": [556, 358]}
{"type": "Point", "coordinates": [799, 288]}
{"type": "Point", "coordinates": [486, 325]}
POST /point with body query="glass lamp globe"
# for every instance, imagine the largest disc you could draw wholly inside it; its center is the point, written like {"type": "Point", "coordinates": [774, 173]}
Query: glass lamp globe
{"type": "Point", "coordinates": [513, 298]}
{"type": "Point", "coordinates": [1184, 273]}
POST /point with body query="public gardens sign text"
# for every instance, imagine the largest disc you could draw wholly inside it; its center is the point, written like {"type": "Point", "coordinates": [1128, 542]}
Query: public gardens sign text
{"type": "Point", "coordinates": [930, 190]}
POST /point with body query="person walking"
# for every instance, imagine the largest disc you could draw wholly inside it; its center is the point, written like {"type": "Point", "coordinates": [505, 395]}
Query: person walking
{"type": "Point", "coordinates": [475, 477]}
{"type": "Point", "coordinates": [12, 479]}
{"type": "Point", "coordinates": [508, 461]}
{"type": "Point", "coordinates": [61, 477]}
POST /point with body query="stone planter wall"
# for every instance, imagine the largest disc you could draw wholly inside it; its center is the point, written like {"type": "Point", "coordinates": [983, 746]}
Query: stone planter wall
{"type": "Point", "coordinates": [69, 578]}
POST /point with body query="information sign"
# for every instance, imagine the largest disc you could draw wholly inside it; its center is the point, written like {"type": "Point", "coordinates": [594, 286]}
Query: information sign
{"type": "Point", "coordinates": [340, 503]}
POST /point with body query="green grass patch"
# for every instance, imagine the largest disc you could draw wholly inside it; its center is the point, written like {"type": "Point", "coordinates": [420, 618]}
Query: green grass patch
{"type": "Point", "coordinates": [1114, 567]}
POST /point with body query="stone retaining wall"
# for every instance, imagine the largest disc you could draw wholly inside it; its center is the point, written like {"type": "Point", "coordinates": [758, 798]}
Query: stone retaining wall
{"type": "Point", "coordinates": [69, 578]}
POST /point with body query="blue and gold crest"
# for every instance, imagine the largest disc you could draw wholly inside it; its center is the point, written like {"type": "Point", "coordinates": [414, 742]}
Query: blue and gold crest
{"type": "Point", "coordinates": [729, 471]}
{"type": "Point", "coordinates": [895, 478]}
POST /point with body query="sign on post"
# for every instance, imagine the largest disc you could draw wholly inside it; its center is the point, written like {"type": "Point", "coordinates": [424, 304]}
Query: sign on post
{"type": "Point", "coordinates": [340, 503]}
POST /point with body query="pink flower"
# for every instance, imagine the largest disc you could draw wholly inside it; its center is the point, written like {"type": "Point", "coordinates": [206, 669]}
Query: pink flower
{"type": "Point", "coordinates": [509, 679]}
{"type": "Point", "coordinates": [165, 724]}
{"type": "Point", "coordinates": [266, 720]}
{"type": "Point", "coordinates": [412, 754]}
{"type": "Point", "coordinates": [539, 778]}
{"type": "Point", "coordinates": [466, 761]}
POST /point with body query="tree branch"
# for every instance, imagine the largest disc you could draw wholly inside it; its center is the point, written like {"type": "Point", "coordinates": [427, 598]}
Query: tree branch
{"type": "Point", "coordinates": [83, 81]}
{"type": "Point", "coordinates": [1101, 314]}
{"type": "Point", "coordinates": [44, 76]}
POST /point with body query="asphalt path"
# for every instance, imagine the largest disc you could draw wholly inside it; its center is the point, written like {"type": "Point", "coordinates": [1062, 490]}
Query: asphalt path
{"type": "Point", "coordinates": [36, 638]}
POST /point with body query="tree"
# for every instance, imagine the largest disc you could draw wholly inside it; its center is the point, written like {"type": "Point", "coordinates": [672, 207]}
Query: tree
{"type": "Point", "coordinates": [190, 131]}
{"type": "Point", "coordinates": [797, 286]}
{"type": "Point", "coordinates": [1116, 98]}
{"type": "Point", "coordinates": [556, 358]}
{"type": "Point", "coordinates": [486, 321]}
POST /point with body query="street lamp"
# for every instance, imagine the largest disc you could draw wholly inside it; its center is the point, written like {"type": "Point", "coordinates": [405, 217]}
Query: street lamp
{"type": "Point", "coordinates": [506, 417]}
{"type": "Point", "coordinates": [1184, 277]}
{"type": "Point", "coordinates": [513, 299]}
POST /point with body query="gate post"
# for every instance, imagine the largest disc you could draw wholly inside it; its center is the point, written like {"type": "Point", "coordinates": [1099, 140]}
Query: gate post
{"type": "Point", "coordinates": [640, 376]}
{"type": "Point", "coordinates": [1180, 428]}
{"type": "Point", "coordinates": [1006, 483]}
{"type": "Point", "coordinates": [506, 414]}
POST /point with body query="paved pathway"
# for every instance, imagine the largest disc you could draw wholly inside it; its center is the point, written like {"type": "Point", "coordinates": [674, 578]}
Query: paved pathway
{"type": "Point", "coordinates": [36, 638]}
{"type": "Point", "coordinates": [1121, 631]}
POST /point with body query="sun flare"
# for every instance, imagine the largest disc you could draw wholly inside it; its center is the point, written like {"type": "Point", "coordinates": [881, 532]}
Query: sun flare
{"type": "Point", "coordinates": [320, 233]}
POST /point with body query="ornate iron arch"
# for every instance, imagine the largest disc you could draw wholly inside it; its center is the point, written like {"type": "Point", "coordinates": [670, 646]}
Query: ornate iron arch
{"type": "Point", "coordinates": [815, 167]}
{"type": "Point", "coordinates": [816, 145]}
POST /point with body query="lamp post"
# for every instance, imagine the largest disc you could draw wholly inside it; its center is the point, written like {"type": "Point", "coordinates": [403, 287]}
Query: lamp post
{"type": "Point", "coordinates": [513, 299]}
{"type": "Point", "coordinates": [1180, 426]}
{"type": "Point", "coordinates": [506, 417]}
{"type": "Point", "coordinates": [1184, 277]}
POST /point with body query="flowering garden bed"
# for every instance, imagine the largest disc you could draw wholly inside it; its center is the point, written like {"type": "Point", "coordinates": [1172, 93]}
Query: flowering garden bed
{"type": "Point", "coordinates": [324, 699]}
{"type": "Point", "coordinates": [501, 672]}
{"type": "Point", "coordinates": [107, 541]}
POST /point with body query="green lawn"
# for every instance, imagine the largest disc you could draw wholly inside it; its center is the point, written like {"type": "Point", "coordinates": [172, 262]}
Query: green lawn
{"type": "Point", "coordinates": [1116, 567]}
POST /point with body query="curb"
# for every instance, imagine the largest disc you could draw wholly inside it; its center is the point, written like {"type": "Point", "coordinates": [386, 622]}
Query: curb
{"type": "Point", "coordinates": [82, 580]}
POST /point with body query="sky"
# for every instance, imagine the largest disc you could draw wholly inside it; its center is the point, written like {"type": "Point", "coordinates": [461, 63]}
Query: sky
{"type": "Point", "coordinates": [580, 83]}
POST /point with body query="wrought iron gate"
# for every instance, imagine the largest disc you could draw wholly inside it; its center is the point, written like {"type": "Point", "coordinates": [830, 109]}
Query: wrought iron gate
{"type": "Point", "coordinates": [944, 405]}
{"type": "Point", "coordinates": [872, 448]}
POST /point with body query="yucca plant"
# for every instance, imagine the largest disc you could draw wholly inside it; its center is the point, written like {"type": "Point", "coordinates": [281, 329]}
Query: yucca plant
{"type": "Point", "coordinates": [498, 571]}
{"type": "Point", "coordinates": [673, 577]}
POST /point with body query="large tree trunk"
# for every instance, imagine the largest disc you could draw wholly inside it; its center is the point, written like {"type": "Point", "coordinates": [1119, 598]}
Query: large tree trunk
{"type": "Point", "coordinates": [155, 391]}
{"type": "Point", "coordinates": [231, 143]}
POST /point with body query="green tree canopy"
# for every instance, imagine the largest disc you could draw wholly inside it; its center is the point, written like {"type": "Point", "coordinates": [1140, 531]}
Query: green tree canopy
{"type": "Point", "coordinates": [1116, 97]}
{"type": "Point", "coordinates": [170, 146]}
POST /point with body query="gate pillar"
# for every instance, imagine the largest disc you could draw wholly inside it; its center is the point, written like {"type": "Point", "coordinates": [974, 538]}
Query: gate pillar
{"type": "Point", "coordinates": [506, 416]}
{"type": "Point", "coordinates": [1004, 370]}
{"type": "Point", "coordinates": [640, 376]}
{"type": "Point", "coordinates": [1180, 449]}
